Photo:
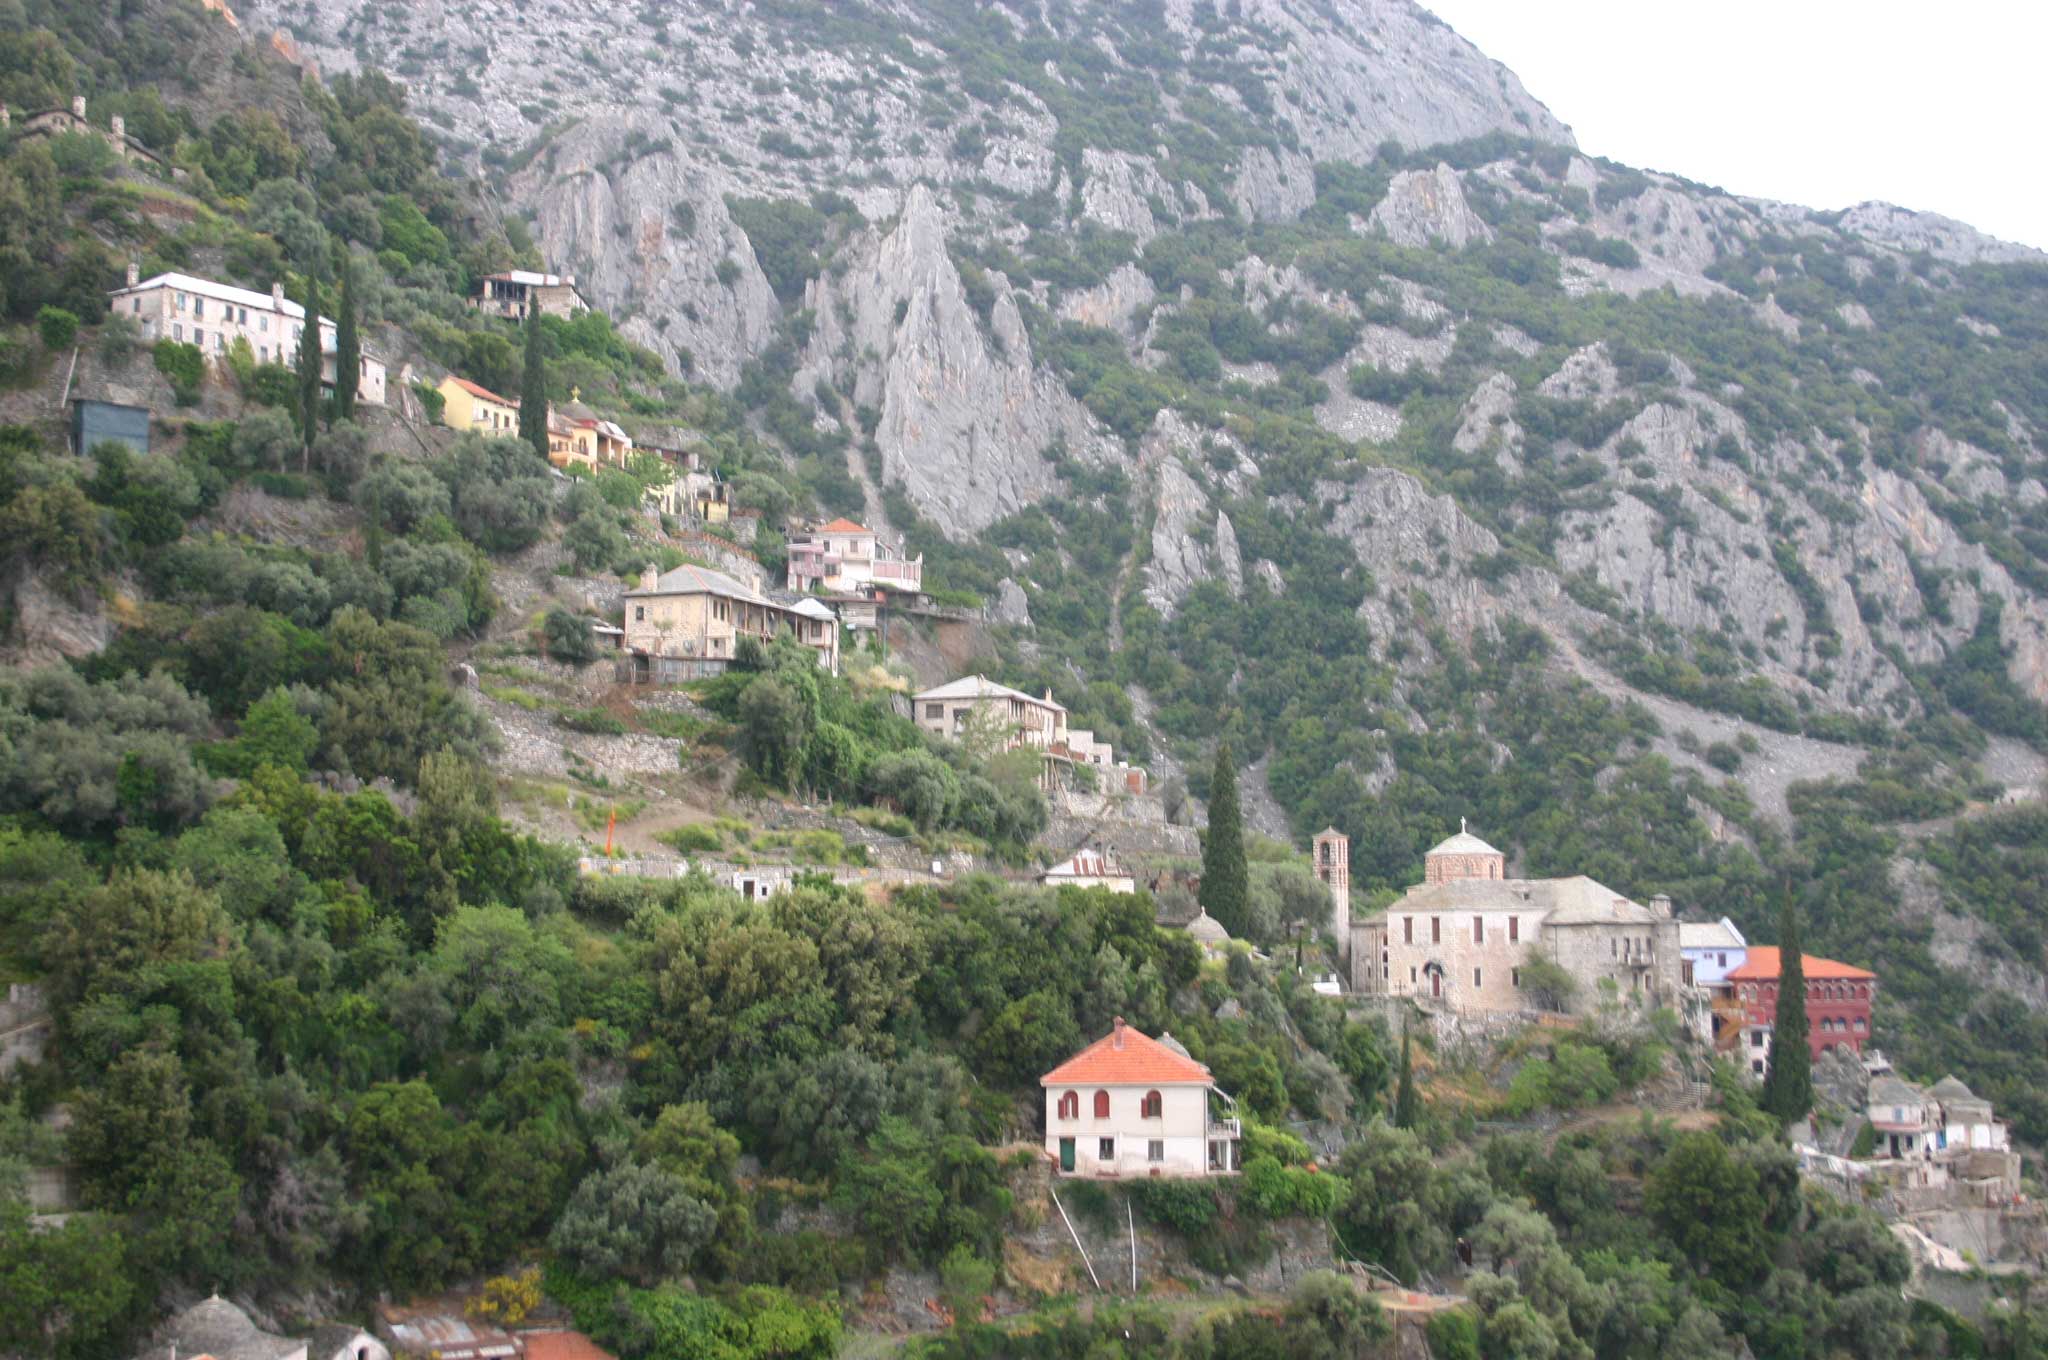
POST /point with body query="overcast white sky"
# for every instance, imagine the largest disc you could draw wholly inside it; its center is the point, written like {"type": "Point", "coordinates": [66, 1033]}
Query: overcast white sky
{"type": "Point", "coordinates": [1819, 102]}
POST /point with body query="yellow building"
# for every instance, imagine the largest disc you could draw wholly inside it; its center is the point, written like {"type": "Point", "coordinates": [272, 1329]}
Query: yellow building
{"type": "Point", "coordinates": [569, 442]}
{"type": "Point", "coordinates": [579, 435]}
{"type": "Point", "coordinates": [466, 406]}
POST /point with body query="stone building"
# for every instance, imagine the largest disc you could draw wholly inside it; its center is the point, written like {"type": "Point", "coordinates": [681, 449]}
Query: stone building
{"type": "Point", "coordinates": [698, 615]}
{"type": "Point", "coordinates": [1462, 937]}
{"type": "Point", "coordinates": [506, 295]}
{"type": "Point", "coordinates": [213, 316]}
{"type": "Point", "coordinates": [55, 122]}
{"type": "Point", "coordinates": [214, 1327]}
{"type": "Point", "coordinates": [1330, 851]}
{"type": "Point", "coordinates": [1944, 1136]}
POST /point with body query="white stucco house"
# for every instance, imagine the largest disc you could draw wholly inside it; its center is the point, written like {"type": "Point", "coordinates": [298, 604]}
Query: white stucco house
{"type": "Point", "coordinates": [1089, 867]}
{"type": "Point", "coordinates": [1129, 1105]}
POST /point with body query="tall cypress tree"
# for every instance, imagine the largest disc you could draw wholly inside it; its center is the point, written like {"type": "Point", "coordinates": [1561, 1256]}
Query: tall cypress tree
{"type": "Point", "coordinates": [309, 373]}
{"type": "Point", "coordinates": [1404, 1089]}
{"type": "Point", "coordinates": [533, 387]}
{"type": "Point", "coordinates": [1788, 1085]}
{"type": "Point", "coordinates": [348, 347]}
{"type": "Point", "coordinates": [1225, 879]}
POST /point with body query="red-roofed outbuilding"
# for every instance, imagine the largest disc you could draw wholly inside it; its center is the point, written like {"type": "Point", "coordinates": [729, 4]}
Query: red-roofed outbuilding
{"type": "Point", "coordinates": [1130, 1105]}
{"type": "Point", "coordinates": [1838, 998]}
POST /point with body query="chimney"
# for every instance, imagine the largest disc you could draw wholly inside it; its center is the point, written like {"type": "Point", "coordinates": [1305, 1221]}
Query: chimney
{"type": "Point", "coordinates": [649, 578]}
{"type": "Point", "coordinates": [1117, 1034]}
{"type": "Point", "coordinates": [134, 271]}
{"type": "Point", "coordinates": [78, 107]}
{"type": "Point", "coordinates": [277, 296]}
{"type": "Point", "coordinates": [120, 126]}
{"type": "Point", "coordinates": [1660, 906]}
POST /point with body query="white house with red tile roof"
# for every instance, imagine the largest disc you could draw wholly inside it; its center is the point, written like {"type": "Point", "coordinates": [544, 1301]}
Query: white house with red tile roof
{"type": "Point", "coordinates": [843, 556]}
{"type": "Point", "coordinates": [1129, 1105]}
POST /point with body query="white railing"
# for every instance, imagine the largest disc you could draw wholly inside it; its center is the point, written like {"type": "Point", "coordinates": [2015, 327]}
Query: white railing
{"type": "Point", "coordinates": [1226, 1128]}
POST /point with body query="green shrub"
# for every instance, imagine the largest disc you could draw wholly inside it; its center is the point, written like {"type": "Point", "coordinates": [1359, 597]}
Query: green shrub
{"type": "Point", "coordinates": [57, 327]}
{"type": "Point", "coordinates": [700, 838]}
{"type": "Point", "coordinates": [1189, 1207]}
{"type": "Point", "coordinates": [1275, 1191]}
{"type": "Point", "coordinates": [592, 720]}
{"type": "Point", "coordinates": [568, 637]}
{"type": "Point", "coordinates": [272, 385]}
{"type": "Point", "coordinates": [182, 366]}
{"type": "Point", "coordinates": [1453, 1335]}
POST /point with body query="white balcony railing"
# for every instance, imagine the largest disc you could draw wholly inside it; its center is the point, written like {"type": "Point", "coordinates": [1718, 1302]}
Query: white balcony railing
{"type": "Point", "coordinates": [1226, 1128]}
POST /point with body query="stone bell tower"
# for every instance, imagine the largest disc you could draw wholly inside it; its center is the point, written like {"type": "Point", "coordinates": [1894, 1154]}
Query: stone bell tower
{"type": "Point", "coordinates": [1331, 850]}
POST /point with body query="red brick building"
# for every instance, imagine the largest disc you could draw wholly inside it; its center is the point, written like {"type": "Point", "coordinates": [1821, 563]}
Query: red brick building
{"type": "Point", "coordinates": [1838, 1001]}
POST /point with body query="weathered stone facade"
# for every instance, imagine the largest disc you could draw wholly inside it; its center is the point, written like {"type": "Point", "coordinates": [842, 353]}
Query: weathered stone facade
{"type": "Point", "coordinates": [1461, 939]}
{"type": "Point", "coordinates": [1330, 851]}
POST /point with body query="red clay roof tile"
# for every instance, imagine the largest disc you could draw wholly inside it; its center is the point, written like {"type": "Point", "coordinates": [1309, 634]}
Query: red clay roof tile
{"type": "Point", "coordinates": [1124, 1057]}
{"type": "Point", "coordinates": [1762, 965]}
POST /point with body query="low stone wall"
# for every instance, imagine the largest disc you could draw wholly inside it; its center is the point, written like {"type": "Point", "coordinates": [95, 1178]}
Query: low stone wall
{"type": "Point", "coordinates": [1135, 843]}
{"type": "Point", "coordinates": [1143, 809]}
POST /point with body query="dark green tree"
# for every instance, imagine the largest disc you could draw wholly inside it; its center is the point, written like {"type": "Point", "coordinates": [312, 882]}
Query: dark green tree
{"type": "Point", "coordinates": [348, 347]}
{"type": "Point", "coordinates": [309, 374]}
{"type": "Point", "coordinates": [533, 388]}
{"type": "Point", "coordinates": [1404, 1087]}
{"type": "Point", "coordinates": [1225, 878]}
{"type": "Point", "coordinates": [1788, 1085]}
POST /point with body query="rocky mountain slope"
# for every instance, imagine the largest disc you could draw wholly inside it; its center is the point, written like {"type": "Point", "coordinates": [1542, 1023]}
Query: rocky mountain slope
{"type": "Point", "coordinates": [1271, 356]}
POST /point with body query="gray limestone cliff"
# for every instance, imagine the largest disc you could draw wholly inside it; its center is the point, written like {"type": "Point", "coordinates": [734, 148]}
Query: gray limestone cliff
{"type": "Point", "coordinates": [1422, 206]}
{"type": "Point", "coordinates": [966, 411]}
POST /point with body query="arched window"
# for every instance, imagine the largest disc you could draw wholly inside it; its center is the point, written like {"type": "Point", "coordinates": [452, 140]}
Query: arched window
{"type": "Point", "coordinates": [1152, 1107]}
{"type": "Point", "coordinates": [1070, 1105]}
{"type": "Point", "coordinates": [1102, 1104]}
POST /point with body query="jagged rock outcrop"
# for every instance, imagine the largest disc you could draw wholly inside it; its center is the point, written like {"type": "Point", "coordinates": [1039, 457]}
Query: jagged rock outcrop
{"type": "Point", "coordinates": [1489, 420]}
{"type": "Point", "coordinates": [1179, 560]}
{"type": "Point", "coordinates": [1114, 303]}
{"type": "Point", "coordinates": [1586, 375]}
{"type": "Point", "coordinates": [1229, 561]}
{"type": "Point", "coordinates": [1422, 206]}
{"type": "Point", "coordinates": [1118, 190]}
{"type": "Point", "coordinates": [1356, 73]}
{"type": "Point", "coordinates": [1271, 188]}
{"type": "Point", "coordinates": [651, 241]}
{"type": "Point", "coordinates": [1409, 538]}
{"type": "Point", "coordinates": [966, 414]}
{"type": "Point", "coordinates": [1942, 237]}
{"type": "Point", "coordinates": [1777, 318]}
{"type": "Point", "coordinates": [1010, 605]}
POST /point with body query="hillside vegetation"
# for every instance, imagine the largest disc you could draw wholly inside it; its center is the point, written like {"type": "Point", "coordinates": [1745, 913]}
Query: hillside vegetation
{"type": "Point", "coordinates": [1525, 527]}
